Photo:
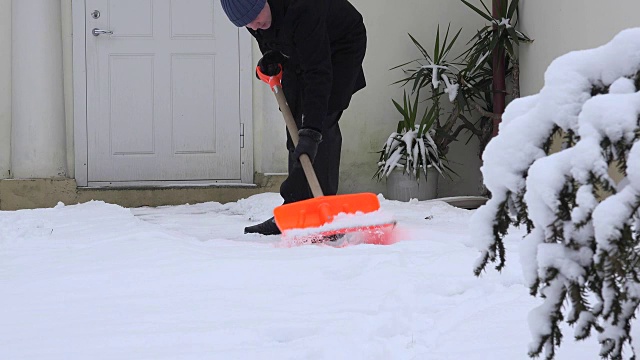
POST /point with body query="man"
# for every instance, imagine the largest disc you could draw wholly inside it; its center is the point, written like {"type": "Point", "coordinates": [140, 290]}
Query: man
{"type": "Point", "coordinates": [321, 45]}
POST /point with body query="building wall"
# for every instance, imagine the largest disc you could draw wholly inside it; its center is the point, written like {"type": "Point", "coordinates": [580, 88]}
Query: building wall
{"type": "Point", "coordinates": [559, 27]}
{"type": "Point", "coordinates": [367, 123]}
{"type": "Point", "coordinates": [5, 88]}
{"type": "Point", "coordinates": [67, 64]}
{"type": "Point", "coordinates": [38, 147]}
{"type": "Point", "coordinates": [569, 25]}
{"type": "Point", "coordinates": [372, 116]}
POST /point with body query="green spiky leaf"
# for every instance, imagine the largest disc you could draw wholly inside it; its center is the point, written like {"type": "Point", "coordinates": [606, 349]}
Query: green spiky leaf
{"type": "Point", "coordinates": [480, 12]}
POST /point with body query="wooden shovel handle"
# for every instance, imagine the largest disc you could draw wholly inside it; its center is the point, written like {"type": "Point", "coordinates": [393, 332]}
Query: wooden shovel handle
{"type": "Point", "coordinates": [312, 179]}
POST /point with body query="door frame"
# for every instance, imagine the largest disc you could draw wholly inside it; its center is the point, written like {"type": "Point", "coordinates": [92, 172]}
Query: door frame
{"type": "Point", "coordinates": [81, 145]}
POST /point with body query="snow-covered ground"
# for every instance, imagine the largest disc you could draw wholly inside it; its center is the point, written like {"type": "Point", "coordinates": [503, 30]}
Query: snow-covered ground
{"type": "Point", "coordinates": [98, 281]}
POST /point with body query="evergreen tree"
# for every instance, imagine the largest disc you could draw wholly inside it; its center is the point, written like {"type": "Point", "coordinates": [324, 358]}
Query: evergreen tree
{"type": "Point", "coordinates": [581, 252]}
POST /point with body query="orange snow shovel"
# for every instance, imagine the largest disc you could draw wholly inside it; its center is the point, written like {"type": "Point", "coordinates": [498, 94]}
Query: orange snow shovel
{"type": "Point", "coordinates": [324, 216]}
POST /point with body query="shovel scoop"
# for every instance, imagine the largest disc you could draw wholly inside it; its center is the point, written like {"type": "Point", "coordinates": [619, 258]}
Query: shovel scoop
{"type": "Point", "coordinates": [351, 218]}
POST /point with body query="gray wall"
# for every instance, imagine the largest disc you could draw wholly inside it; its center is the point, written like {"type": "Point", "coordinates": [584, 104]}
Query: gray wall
{"type": "Point", "coordinates": [559, 27]}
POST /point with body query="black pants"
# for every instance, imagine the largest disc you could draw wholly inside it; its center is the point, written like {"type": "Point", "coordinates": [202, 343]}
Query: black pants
{"type": "Point", "coordinates": [326, 164]}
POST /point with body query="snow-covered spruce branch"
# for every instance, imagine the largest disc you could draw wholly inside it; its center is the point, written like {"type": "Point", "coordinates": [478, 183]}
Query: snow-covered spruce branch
{"type": "Point", "coordinates": [579, 249]}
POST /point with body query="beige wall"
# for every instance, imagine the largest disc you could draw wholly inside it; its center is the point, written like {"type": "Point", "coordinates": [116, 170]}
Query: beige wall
{"type": "Point", "coordinates": [67, 62]}
{"type": "Point", "coordinates": [269, 152]}
{"type": "Point", "coordinates": [5, 88]}
{"type": "Point", "coordinates": [568, 25]}
{"type": "Point", "coordinates": [562, 26]}
{"type": "Point", "coordinates": [5, 84]}
{"type": "Point", "coordinates": [371, 117]}
{"type": "Point", "coordinates": [556, 26]}
{"type": "Point", "coordinates": [365, 125]}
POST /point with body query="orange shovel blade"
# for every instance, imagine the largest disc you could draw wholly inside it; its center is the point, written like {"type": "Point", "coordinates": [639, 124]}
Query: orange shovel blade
{"type": "Point", "coordinates": [321, 210]}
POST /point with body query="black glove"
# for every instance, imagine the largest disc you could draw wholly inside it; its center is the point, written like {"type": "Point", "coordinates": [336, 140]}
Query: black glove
{"type": "Point", "coordinates": [307, 144]}
{"type": "Point", "coordinates": [269, 62]}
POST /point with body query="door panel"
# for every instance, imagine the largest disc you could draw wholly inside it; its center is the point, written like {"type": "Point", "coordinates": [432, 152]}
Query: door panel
{"type": "Point", "coordinates": [130, 17]}
{"type": "Point", "coordinates": [192, 18]}
{"type": "Point", "coordinates": [131, 97]}
{"type": "Point", "coordinates": [162, 92]}
{"type": "Point", "coordinates": [193, 99]}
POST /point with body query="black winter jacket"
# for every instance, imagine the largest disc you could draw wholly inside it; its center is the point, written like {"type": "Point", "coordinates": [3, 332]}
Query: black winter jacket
{"type": "Point", "coordinates": [325, 42]}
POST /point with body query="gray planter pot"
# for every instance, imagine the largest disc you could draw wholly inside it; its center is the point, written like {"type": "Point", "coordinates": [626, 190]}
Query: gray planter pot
{"type": "Point", "coordinates": [404, 187]}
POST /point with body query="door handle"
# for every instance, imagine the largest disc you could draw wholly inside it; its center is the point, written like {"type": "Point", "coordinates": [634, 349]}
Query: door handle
{"type": "Point", "coordinates": [98, 32]}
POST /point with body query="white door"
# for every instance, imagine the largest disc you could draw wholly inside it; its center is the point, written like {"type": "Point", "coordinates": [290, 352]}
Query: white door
{"type": "Point", "coordinates": [162, 92]}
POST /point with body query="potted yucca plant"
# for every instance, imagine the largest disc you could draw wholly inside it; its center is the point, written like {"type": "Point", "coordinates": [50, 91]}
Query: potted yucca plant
{"type": "Point", "coordinates": [410, 159]}
{"type": "Point", "coordinates": [465, 95]}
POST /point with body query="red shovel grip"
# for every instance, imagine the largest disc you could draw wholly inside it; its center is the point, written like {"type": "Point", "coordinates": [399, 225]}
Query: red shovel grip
{"type": "Point", "coordinates": [272, 80]}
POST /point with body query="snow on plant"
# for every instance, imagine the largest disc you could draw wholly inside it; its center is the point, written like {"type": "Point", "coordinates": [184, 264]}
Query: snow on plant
{"type": "Point", "coordinates": [468, 86]}
{"type": "Point", "coordinates": [435, 79]}
{"type": "Point", "coordinates": [468, 77]}
{"type": "Point", "coordinates": [450, 88]}
{"type": "Point", "coordinates": [424, 143]}
{"type": "Point", "coordinates": [411, 147]}
{"type": "Point", "coordinates": [582, 246]}
{"type": "Point", "coordinates": [461, 91]}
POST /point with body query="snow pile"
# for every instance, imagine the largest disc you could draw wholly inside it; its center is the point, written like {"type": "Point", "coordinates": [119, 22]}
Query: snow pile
{"type": "Point", "coordinates": [97, 281]}
{"type": "Point", "coordinates": [578, 249]}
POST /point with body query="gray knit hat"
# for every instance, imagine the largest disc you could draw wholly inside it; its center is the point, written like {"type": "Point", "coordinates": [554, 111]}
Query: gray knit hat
{"type": "Point", "coordinates": [242, 12]}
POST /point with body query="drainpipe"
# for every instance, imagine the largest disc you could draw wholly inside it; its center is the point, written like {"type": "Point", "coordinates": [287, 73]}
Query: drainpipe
{"type": "Point", "coordinates": [38, 144]}
{"type": "Point", "coordinates": [499, 82]}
